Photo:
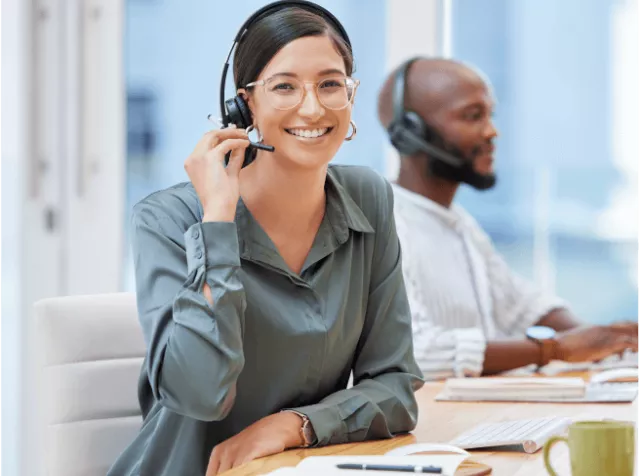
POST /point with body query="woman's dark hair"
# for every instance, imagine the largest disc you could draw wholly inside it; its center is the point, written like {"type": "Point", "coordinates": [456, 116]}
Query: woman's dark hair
{"type": "Point", "coordinates": [270, 34]}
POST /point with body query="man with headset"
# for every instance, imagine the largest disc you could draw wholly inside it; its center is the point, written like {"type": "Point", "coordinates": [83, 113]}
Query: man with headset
{"type": "Point", "coordinates": [471, 314]}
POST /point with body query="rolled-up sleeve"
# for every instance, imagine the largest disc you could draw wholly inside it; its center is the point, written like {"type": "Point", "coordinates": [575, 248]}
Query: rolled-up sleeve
{"type": "Point", "coordinates": [381, 403]}
{"type": "Point", "coordinates": [441, 352]}
{"type": "Point", "coordinates": [195, 352]}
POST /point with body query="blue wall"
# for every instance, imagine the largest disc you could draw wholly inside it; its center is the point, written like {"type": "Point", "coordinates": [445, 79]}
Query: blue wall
{"type": "Point", "coordinates": [550, 63]}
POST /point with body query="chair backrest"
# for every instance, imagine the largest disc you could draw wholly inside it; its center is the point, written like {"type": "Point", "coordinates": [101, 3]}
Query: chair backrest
{"type": "Point", "coordinates": [90, 351]}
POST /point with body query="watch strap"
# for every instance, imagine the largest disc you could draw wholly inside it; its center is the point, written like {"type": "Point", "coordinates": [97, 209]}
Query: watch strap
{"type": "Point", "coordinates": [306, 429]}
{"type": "Point", "coordinates": [547, 347]}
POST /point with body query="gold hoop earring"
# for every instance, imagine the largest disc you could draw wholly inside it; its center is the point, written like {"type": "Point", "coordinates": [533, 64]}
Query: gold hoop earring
{"type": "Point", "coordinates": [353, 132]}
{"type": "Point", "coordinates": [252, 128]}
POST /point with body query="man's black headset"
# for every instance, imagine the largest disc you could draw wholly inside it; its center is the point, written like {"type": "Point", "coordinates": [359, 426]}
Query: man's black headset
{"type": "Point", "coordinates": [407, 130]}
{"type": "Point", "coordinates": [235, 110]}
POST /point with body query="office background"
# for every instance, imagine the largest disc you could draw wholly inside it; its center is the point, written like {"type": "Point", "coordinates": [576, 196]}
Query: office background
{"type": "Point", "coordinates": [564, 210]}
{"type": "Point", "coordinates": [565, 75]}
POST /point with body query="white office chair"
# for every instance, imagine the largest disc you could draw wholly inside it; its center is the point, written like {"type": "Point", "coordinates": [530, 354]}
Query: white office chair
{"type": "Point", "coordinates": [90, 350]}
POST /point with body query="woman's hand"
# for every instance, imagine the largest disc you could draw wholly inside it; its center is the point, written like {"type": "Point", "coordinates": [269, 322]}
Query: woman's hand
{"type": "Point", "coordinates": [273, 434]}
{"type": "Point", "coordinates": [218, 187]}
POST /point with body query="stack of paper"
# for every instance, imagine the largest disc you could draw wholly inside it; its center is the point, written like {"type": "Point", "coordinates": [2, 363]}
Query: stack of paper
{"type": "Point", "coordinates": [512, 389]}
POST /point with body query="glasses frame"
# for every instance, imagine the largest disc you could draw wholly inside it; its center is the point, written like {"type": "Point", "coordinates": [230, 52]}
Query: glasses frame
{"type": "Point", "coordinates": [263, 82]}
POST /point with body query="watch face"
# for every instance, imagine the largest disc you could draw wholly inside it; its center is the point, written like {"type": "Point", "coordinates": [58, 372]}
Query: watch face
{"type": "Point", "coordinates": [541, 332]}
{"type": "Point", "coordinates": [308, 434]}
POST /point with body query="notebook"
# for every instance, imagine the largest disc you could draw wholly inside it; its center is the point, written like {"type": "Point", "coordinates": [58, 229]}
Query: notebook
{"type": "Point", "coordinates": [515, 389]}
{"type": "Point", "coordinates": [450, 458]}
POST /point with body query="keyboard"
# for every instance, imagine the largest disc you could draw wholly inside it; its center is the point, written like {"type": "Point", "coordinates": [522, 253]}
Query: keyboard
{"type": "Point", "coordinates": [528, 435]}
{"type": "Point", "coordinates": [611, 392]}
{"type": "Point", "coordinates": [628, 359]}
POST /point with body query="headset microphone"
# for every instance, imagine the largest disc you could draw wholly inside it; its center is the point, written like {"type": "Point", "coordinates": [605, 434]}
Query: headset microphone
{"type": "Point", "coordinates": [255, 145]}
{"type": "Point", "coordinates": [408, 138]}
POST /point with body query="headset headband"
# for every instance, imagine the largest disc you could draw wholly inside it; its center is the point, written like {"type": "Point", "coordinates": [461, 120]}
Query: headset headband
{"type": "Point", "coordinates": [305, 5]}
{"type": "Point", "coordinates": [399, 87]}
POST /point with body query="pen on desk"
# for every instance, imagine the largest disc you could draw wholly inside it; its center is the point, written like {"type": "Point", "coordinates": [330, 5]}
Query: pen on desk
{"type": "Point", "coordinates": [391, 467]}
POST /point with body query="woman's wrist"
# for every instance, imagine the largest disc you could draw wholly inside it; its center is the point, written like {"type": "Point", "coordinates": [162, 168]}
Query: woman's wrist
{"type": "Point", "coordinates": [292, 423]}
{"type": "Point", "coordinates": [219, 215]}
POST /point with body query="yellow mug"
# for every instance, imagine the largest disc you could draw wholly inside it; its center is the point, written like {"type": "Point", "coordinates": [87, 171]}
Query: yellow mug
{"type": "Point", "coordinates": [597, 448]}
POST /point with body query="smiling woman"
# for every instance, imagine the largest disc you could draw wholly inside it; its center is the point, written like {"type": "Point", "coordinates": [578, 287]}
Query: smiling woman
{"type": "Point", "coordinates": [298, 83]}
{"type": "Point", "coordinates": [263, 286]}
{"type": "Point", "coordinates": [305, 92]}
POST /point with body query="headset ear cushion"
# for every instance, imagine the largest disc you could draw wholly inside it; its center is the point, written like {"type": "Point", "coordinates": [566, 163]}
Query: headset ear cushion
{"type": "Point", "coordinates": [409, 123]}
{"type": "Point", "coordinates": [414, 123]}
{"type": "Point", "coordinates": [245, 112]}
{"type": "Point", "coordinates": [397, 132]}
{"type": "Point", "coordinates": [240, 115]}
{"type": "Point", "coordinates": [238, 112]}
{"type": "Point", "coordinates": [233, 114]}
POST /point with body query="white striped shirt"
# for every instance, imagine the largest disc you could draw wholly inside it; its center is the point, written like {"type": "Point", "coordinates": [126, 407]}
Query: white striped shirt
{"type": "Point", "coordinates": [461, 291]}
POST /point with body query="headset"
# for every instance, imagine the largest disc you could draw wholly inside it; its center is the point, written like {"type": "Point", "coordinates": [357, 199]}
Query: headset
{"type": "Point", "coordinates": [235, 110]}
{"type": "Point", "coordinates": [407, 130]}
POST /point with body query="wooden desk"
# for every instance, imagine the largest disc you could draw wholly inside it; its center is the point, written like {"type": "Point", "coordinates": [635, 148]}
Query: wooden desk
{"type": "Point", "coordinates": [440, 422]}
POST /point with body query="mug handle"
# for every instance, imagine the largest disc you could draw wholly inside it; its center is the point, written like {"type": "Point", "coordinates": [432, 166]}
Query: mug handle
{"type": "Point", "coordinates": [547, 449]}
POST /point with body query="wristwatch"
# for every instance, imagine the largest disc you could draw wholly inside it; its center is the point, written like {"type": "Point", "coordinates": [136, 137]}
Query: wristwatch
{"type": "Point", "coordinates": [306, 430]}
{"type": "Point", "coordinates": [545, 338]}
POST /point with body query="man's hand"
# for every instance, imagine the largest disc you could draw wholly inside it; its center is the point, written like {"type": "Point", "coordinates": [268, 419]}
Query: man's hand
{"type": "Point", "coordinates": [584, 344]}
{"type": "Point", "coordinates": [273, 434]}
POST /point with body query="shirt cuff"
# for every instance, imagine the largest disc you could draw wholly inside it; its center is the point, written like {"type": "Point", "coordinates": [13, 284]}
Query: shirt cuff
{"type": "Point", "coordinates": [325, 421]}
{"type": "Point", "coordinates": [535, 311]}
{"type": "Point", "coordinates": [212, 244]}
{"type": "Point", "coordinates": [470, 345]}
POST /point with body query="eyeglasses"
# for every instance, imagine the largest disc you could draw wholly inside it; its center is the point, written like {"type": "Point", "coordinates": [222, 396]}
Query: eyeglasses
{"type": "Point", "coordinates": [284, 92]}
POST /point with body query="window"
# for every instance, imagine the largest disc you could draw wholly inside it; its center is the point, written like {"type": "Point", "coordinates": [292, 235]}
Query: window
{"type": "Point", "coordinates": [565, 75]}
